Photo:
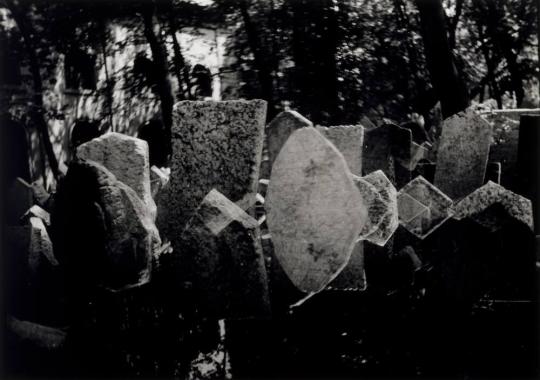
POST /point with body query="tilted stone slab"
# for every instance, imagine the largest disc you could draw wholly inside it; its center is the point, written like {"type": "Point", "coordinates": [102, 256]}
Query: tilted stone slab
{"type": "Point", "coordinates": [222, 258]}
{"type": "Point", "coordinates": [349, 140]}
{"type": "Point", "coordinates": [159, 178]}
{"type": "Point", "coordinates": [314, 211]}
{"type": "Point", "coordinates": [127, 158]}
{"type": "Point", "coordinates": [216, 145]}
{"type": "Point", "coordinates": [376, 207]}
{"type": "Point", "coordinates": [475, 204]}
{"type": "Point", "coordinates": [389, 221]}
{"type": "Point", "coordinates": [437, 207]}
{"type": "Point", "coordinates": [353, 276]}
{"type": "Point", "coordinates": [279, 130]}
{"type": "Point", "coordinates": [409, 208]}
{"type": "Point", "coordinates": [462, 154]}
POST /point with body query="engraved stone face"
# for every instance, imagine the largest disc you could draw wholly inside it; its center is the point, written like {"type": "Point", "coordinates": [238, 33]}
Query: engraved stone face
{"type": "Point", "coordinates": [475, 204]}
{"type": "Point", "coordinates": [424, 206]}
{"type": "Point", "coordinates": [462, 154]}
{"type": "Point", "coordinates": [389, 220]}
{"type": "Point", "coordinates": [314, 211]}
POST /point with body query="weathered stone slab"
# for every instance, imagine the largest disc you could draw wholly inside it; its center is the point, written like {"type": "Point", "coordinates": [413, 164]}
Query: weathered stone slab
{"type": "Point", "coordinates": [475, 204]}
{"type": "Point", "coordinates": [222, 258]}
{"type": "Point", "coordinates": [279, 130]}
{"type": "Point", "coordinates": [353, 276]}
{"type": "Point", "coordinates": [349, 140]}
{"type": "Point", "coordinates": [389, 221]}
{"type": "Point", "coordinates": [377, 153]}
{"type": "Point", "coordinates": [216, 145]}
{"type": "Point", "coordinates": [314, 211]}
{"type": "Point", "coordinates": [127, 158]}
{"type": "Point", "coordinates": [437, 207]}
{"type": "Point", "coordinates": [106, 224]}
{"type": "Point", "coordinates": [38, 212]}
{"type": "Point", "coordinates": [418, 152]}
{"type": "Point", "coordinates": [462, 154]}
{"type": "Point", "coordinates": [40, 245]}
{"type": "Point", "coordinates": [376, 207]}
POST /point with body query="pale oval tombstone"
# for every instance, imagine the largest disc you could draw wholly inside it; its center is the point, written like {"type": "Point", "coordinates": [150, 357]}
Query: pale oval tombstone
{"type": "Point", "coordinates": [314, 211]}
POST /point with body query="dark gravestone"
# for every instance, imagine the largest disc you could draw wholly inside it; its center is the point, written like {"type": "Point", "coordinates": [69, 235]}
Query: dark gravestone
{"type": "Point", "coordinates": [493, 173]}
{"type": "Point", "coordinates": [529, 162]}
{"type": "Point", "coordinates": [153, 132]}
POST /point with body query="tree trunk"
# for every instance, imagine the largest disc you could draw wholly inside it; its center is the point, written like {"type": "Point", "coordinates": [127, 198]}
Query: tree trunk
{"type": "Point", "coordinates": [262, 64]}
{"type": "Point", "coordinates": [448, 84]}
{"type": "Point", "coordinates": [37, 97]}
{"type": "Point", "coordinates": [180, 67]}
{"type": "Point", "coordinates": [159, 57]}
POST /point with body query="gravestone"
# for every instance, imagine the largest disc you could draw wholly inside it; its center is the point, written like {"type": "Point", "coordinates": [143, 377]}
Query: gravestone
{"type": "Point", "coordinates": [159, 178]}
{"type": "Point", "coordinates": [222, 258]}
{"type": "Point", "coordinates": [462, 154]}
{"type": "Point", "coordinates": [349, 140]}
{"type": "Point", "coordinates": [425, 207]}
{"type": "Point", "coordinates": [279, 130]}
{"type": "Point", "coordinates": [314, 211]}
{"type": "Point", "coordinates": [376, 207]}
{"type": "Point", "coordinates": [389, 221]}
{"type": "Point", "coordinates": [102, 231]}
{"type": "Point", "coordinates": [493, 172]}
{"type": "Point", "coordinates": [40, 245]}
{"type": "Point", "coordinates": [475, 204]}
{"type": "Point", "coordinates": [127, 158]}
{"type": "Point", "coordinates": [216, 145]}
{"type": "Point", "coordinates": [38, 212]}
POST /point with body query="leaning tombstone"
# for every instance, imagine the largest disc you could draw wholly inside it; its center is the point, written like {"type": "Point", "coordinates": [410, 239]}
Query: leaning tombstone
{"type": "Point", "coordinates": [462, 154]}
{"type": "Point", "coordinates": [127, 158]}
{"type": "Point", "coordinates": [349, 140]}
{"type": "Point", "coordinates": [222, 258]}
{"type": "Point", "coordinates": [102, 231]}
{"type": "Point", "coordinates": [314, 211]}
{"type": "Point", "coordinates": [216, 145]}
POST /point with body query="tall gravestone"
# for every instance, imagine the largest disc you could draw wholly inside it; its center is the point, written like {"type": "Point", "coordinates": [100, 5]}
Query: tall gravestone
{"type": "Point", "coordinates": [216, 145]}
{"type": "Point", "coordinates": [462, 154]}
{"type": "Point", "coordinates": [314, 211]}
{"type": "Point", "coordinates": [349, 140]}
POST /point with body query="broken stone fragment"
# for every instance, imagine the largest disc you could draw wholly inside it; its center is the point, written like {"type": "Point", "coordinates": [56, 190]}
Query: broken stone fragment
{"type": "Point", "coordinates": [222, 258]}
{"type": "Point", "coordinates": [159, 178]}
{"type": "Point", "coordinates": [475, 205]}
{"type": "Point", "coordinates": [314, 211]}
{"type": "Point", "coordinates": [389, 220]}
{"type": "Point", "coordinates": [424, 207]}
{"type": "Point", "coordinates": [127, 158]}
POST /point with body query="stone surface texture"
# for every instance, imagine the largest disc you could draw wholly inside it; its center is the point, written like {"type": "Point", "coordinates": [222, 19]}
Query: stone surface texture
{"type": "Point", "coordinates": [515, 205]}
{"type": "Point", "coordinates": [102, 231]}
{"type": "Point", "coordinates": [127, 158]}
{"type": "Point", "coordinates": [349, 140]}
{"type": "Point", "coordinates": [437, 207]}
{"type": "Point", "coordinates": [216, 145]}
{"type": "Point", "coordinates": [376, 207]}
{"type": "Point", "coordinates": [462, 154]}
{"type": "Point", "coordinates": [222, 258]}
{"type": "Point", "coordinates": [314, 211]}
{"type": "Point", "coordinates": [353, 276]}
{"type": "Point", "coordinates": [159, 178]}
{"type": "Point", "coordinates": [389, 221]}
{"type": "Point", "coordinates": [279, 130]}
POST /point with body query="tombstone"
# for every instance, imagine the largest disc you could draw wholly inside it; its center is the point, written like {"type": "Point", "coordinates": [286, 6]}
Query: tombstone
{"type": "Point", "coordinates": [476, 205]}
{"type": "Point", "coordinates": [153, 132]}
{"type": "Point", "coordinates": [102, 231]}
{"type": "Point", "coordinates": [376, 207]}
{"type": "Point", "coordinates": [279, 130]}
{"type": "Point", "coordinates": [426, 169]}
{"type": "Point", "coordinates": [424, 207]}
{"type": "Point", "coordinates": [314, 211]}
{"type": "Point", "coordinates": [349, 140]}
{"type": "Point", "coordinates": [127, 158]}
{"type": "Point", "coordinates": [216, 145]}
{"type": "Point", "coordinates": [367, 123]}
{"type": "Point", "coordinates": [389, 221]}
{"type": "Point", "coordinates": [418, 152]}
{"type": "Point", "coordinates": [493, 173]}
{"type": "Point", "coordinates": [38, 212]}
{"type": "Point", "coordinates": [20, 198]}
{"type": "Point", "coordinates": [462, 154]}
{"type": "Point", "coordinates": [353, 276]}
{"type": "Point", "coordinates": [528, 162]}
{"type": "Point", "coordinates": [40, 245]}
{"type": "Point", "coordinates": [222, 258]}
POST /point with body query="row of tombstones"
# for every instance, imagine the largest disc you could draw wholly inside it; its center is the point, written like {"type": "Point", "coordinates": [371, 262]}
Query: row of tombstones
{"type": "Point", "coordinates": [324, 191]}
